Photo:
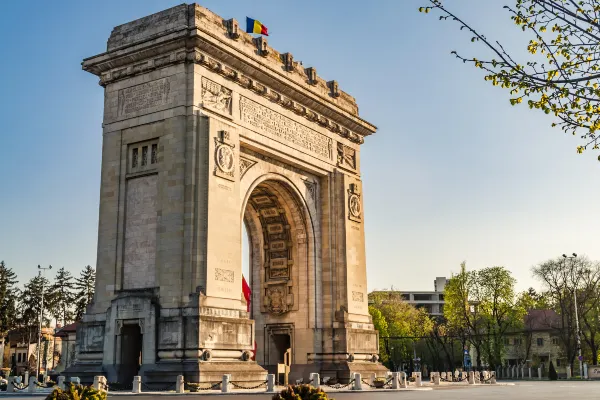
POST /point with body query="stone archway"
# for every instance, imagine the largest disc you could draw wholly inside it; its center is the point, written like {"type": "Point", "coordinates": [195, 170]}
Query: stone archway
{"type": "Point", "coordinates": [203, 132]}
{"type": "Point", "coordinates": [281, 251]}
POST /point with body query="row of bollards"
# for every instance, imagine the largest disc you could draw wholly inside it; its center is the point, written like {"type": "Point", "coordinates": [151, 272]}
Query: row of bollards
{"type": "Point", "coordinates": [396, 380]}
{"type": "Point", "coordinates": [471, 377]}
{"type": "Point", "coordinates": [12, 386]}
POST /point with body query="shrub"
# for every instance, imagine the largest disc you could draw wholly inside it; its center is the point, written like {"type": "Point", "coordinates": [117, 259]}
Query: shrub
{"type": "Point", "coordinates": [552, 373]}
{"type": "Point", "coordinates": [77, 392]}
{"type": "Point", "coordinates": [301, 392]}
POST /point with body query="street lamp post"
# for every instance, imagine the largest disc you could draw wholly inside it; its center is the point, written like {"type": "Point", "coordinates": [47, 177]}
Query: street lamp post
{"type": "Point", "coordinates": [578, 336]}
{"type": "Point", "coordinates": [39, 343]}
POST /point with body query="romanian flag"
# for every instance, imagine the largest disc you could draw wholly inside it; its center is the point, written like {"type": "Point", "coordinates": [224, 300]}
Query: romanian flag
{"type": "Point", "coordinates": [248, 296]}
{"type": "Point", "coordinates": [254, 26]}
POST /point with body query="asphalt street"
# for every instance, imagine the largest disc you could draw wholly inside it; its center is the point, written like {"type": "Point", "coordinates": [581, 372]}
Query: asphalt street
{"type": "Point", "coordinates": [558, 390]}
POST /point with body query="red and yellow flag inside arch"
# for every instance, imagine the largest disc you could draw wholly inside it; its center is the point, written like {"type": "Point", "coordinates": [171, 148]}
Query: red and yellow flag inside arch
{"type": "Point", "coordinates": [255, 26]}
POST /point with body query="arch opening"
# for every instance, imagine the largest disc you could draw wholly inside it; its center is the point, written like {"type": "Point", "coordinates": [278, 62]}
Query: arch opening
{"type": "Point", "coordinates": [275, 227]}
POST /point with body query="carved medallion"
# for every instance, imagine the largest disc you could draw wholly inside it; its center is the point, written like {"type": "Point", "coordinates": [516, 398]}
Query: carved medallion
{"type": "Point", "coordinates": [224, 157]}
{"type": "Point", "coordinates": [354, 205]}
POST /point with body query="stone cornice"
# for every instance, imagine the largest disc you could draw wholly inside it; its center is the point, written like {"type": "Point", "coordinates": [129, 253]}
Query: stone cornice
{"type": "Point", "coordinates": [203, 47]}
{"type": "Point", "coordinates": [139, 65]}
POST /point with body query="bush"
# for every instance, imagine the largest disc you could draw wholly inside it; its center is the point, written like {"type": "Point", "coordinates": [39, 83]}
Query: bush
{"type": "Point", "coordinates": [301, 392]}
{"type": "Point", "coordinates": [552, 374]}
{"type": "Point", "coordinates": [77, 392]}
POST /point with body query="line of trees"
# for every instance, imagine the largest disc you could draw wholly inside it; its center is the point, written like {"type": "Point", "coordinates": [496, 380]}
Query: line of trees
{"type": "Point", "coordinates": [65, 298]}
{"type": "Point", "coordinates": [482, 309]}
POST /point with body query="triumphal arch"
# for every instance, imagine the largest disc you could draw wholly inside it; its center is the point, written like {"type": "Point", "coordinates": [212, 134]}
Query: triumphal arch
{"type": "Point", "coordinates": [207, 129]}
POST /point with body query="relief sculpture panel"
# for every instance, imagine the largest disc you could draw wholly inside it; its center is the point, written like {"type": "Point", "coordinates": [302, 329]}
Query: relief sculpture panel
{"type": "Point", "coordinates": [283, 128]}
{"type": "Point", "coordinates": [142, 97]}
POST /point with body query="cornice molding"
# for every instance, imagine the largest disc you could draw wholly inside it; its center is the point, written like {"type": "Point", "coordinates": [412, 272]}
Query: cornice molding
{"type": "Point", "coordinates": [112, 70]}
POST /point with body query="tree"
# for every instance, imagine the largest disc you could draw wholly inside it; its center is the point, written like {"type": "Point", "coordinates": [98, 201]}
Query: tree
{"type": "Point", "coordinates": [460, 311]}
{"type": "Point", "coordinates": [8, 299]}
{"type": "Point", "coordinates": [564, 279]}
{"type": "Point", "coordinates": [483, 304]}
{"type": "Point", "coordinates": [84, 287]}
{"type": "Point", "coordinates": [499, 307]}
{"type": "Point", "coordinates": [61, 291]}
{"type": "Point", "coordinates": [31, 300]}
{"type": "Point", "coordinates": [395, 318]}
{"type": "Point", "coordinates": [561, 75]}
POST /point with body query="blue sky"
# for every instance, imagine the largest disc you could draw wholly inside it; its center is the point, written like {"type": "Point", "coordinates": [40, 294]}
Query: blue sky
{"type": "Point", "coordinates": [455, 173]}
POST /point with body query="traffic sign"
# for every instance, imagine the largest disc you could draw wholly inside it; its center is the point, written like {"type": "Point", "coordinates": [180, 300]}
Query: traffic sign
{"type": "Point", "coordinates": [580, 358]}
{"type": "Point", "coordinates": [466, 351]}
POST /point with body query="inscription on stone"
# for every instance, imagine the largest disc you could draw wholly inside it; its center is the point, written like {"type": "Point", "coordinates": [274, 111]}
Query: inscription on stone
{"type": "Point", "coordinates": [282, 127]}
{"type": "Point", "coordinates": [142, 97]}
{"type": "Point", "coordinates": [357, 296]}
{"type": "Point", "coordinates": [224, 275]}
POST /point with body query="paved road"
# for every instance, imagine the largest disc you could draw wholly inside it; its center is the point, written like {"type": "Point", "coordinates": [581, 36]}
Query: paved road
{"type": "Point", "coordinates": [559, 390]}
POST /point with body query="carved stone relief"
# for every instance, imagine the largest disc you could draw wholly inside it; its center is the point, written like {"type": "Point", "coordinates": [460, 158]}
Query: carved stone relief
{"type": "Point", "coordinates": [278, 254]}
{"type": "Point", "coordinates": [346, 157]}
{"type": "Point", "coordinates": [311, 189]}
{"type": "Point", "coordinates": [284, 128]}
{"type": "Point", "coordinates": [215, 96]}
{"type": "Point", "coordinates": [245, 165]}
{"type": "Point", "coordinates": [277, 299]}
{"type": "Point", "coordinates": [224, 275]}
{"type": "Point", "coordinates": [144, 96]}
{"type": "Point", "coordinates": [354, 204]}
{"type": "Point", "coordinates": [357, 296]}
{"type": "Point", "coordinates": [224, 157]}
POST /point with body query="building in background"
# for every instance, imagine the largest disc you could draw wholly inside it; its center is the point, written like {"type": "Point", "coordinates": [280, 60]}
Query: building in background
{"type": "Point", "coordinates": [431, 301]}
{"type": "Point", "coordinates": [64, 347]}
{"type": "Point", "coordinates": [20, 350]}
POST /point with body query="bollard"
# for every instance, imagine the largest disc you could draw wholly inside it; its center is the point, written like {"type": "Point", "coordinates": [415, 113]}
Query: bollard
{"type": "Point", "coordinates": [270, 383]}
{"type": "Point", "coordinates": [61, 382]}
{"type": "Point", "coordinates": [357, 382]}
{"type": "Point", "coordinates": [75, 380]}
{"type": "Point", "coordinates": [10, 388]}
{"type": "Point", "coordinates": [523, 372]}
{"type": "Point", "coordinates": [225, 383]}
{"type": "Point", "coordinates": [449, 376]}
{"type": "Point", "coordinates": [568, 368]}
{"type": "Point", "coordinates": [315, 379]}
{"type": "Point", "coordinates": [471, 378]}
{"type": "Point", "coordinates": [372, 378]}
{"type": "Point", "coordinates": [26, 377]}
{"type": "Point", "coordinates": [493, 378]}
{"type": "Point", "coordinates": [585, 371]}
{"type": "Point", "coordinates": [137, 384]}
{"type": "Point", "coordinates": [418, 379]}
{"type": "Point", "coordinates": [443, 375]}
{"type": "Point", "coordinates": [32, 385]}
{"type": "Point", "coordinates": [96, 384]}
{"type": "Point", "coordinates": [179, 384]}
{"type": "Point", "coordinates": [403, 383]}
{"type": "Point", "coordinates": [436, 378]}
{"type": "Point", "coordinates": [540, 373]}
{"type": "Point", "coordinates": [529, 372]}
{"type": "Point", "coordinates": [395, 380]}
{"type": "Point", "coordinates": [464, 376]}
